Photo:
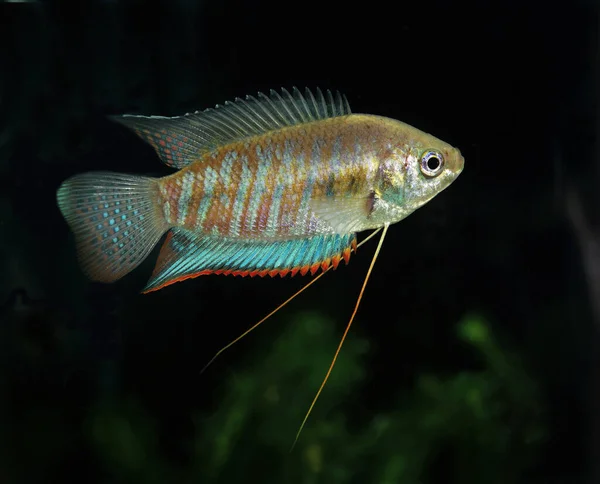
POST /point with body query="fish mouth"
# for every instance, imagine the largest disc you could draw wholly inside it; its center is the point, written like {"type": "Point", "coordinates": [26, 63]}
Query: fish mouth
{"type": "Point", "coordinates": [459, 162]}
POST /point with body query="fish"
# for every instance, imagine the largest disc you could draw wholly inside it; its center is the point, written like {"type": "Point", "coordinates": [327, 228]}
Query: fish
{"type": "Point", "coordinates": [269, 185]}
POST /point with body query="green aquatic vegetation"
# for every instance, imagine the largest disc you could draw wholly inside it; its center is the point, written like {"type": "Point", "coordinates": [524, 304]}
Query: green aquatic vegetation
{"type": "Point", "coordinates": [483, 425]}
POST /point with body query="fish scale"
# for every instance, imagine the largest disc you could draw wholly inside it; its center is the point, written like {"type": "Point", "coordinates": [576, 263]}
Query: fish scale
{"type": "Point", "coordinates": [304, 169]}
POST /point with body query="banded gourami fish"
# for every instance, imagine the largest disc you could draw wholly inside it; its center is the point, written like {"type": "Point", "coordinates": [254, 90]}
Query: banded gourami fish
{"type": "Point", "coordinates": [266, 185]}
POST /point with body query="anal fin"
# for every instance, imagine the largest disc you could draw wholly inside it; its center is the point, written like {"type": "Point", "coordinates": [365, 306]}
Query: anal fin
{"type": "Point", "coordinates": [185, 255]}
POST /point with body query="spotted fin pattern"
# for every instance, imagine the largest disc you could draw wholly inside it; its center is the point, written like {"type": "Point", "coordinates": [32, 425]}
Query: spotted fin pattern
{"type": "Point", "coordinates": [115, 219]}
{"type": "Point", "coordinates": [181, 140]}
{"type": "Point", "coordinates": [186, 255]}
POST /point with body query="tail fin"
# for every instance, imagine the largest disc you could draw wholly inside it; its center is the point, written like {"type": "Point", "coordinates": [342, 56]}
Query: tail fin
{"type": "Point", "coordinates": [116, 220]}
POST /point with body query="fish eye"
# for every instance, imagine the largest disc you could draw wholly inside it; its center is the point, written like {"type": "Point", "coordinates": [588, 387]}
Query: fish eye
{"type": "Point", "coordinates": [432, 163]}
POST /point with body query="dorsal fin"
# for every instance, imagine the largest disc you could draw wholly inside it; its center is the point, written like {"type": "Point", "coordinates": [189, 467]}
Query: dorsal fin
{"type": "Point", "coordinates": [180, 140]}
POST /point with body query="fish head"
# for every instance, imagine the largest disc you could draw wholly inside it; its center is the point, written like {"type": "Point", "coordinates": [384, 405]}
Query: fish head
{"type": "Point", "coordinates": [424, 166]}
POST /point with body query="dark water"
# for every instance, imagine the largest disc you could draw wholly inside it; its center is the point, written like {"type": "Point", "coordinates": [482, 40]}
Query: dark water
{"type": "Point", "coordinates": [473, 358]}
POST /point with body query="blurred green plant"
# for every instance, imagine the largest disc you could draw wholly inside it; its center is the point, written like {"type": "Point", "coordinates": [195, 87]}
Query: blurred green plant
{"type": "Point", "coordinates": [477, 426]}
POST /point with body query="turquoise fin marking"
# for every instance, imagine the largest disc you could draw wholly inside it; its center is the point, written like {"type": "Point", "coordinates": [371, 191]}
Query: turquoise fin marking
{"type": "Point", "coordinates": [185, 255]}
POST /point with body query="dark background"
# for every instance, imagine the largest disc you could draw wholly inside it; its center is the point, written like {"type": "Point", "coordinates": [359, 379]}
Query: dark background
{"type": "Point", "coordinates": [473, 357]}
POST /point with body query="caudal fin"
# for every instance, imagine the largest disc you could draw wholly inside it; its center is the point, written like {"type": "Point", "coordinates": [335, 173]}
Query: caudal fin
{"type": "Point", "coordinates": [116, 220]}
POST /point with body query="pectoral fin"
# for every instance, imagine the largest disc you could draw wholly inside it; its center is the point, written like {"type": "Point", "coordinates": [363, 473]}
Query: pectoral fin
{"type": "Point", "coordinates": [345, 215]}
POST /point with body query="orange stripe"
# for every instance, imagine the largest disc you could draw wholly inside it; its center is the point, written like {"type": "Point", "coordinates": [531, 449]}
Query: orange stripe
{"type": "Point", "coordinates": [195, 199]}
{"type": "Point", "coordinates": [173, 192]}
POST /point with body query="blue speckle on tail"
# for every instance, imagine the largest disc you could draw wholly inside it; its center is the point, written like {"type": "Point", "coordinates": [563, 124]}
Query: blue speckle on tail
{"type": "Point", "coordinates": [111, 240]}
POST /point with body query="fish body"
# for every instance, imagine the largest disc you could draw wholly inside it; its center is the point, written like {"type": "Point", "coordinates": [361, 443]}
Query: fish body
{"type": "Point", "coordinates": [261, 188]}
{"type": "Point", "coordinates": [275, 185]}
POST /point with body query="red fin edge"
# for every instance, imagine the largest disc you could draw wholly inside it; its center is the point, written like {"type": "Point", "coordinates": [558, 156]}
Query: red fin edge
{"type": "Point", "coordinates": [313, 269]}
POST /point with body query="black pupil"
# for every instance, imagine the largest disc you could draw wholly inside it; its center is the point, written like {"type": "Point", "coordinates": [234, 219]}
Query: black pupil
{"type": "Point", "coordinates": [433, 163]}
